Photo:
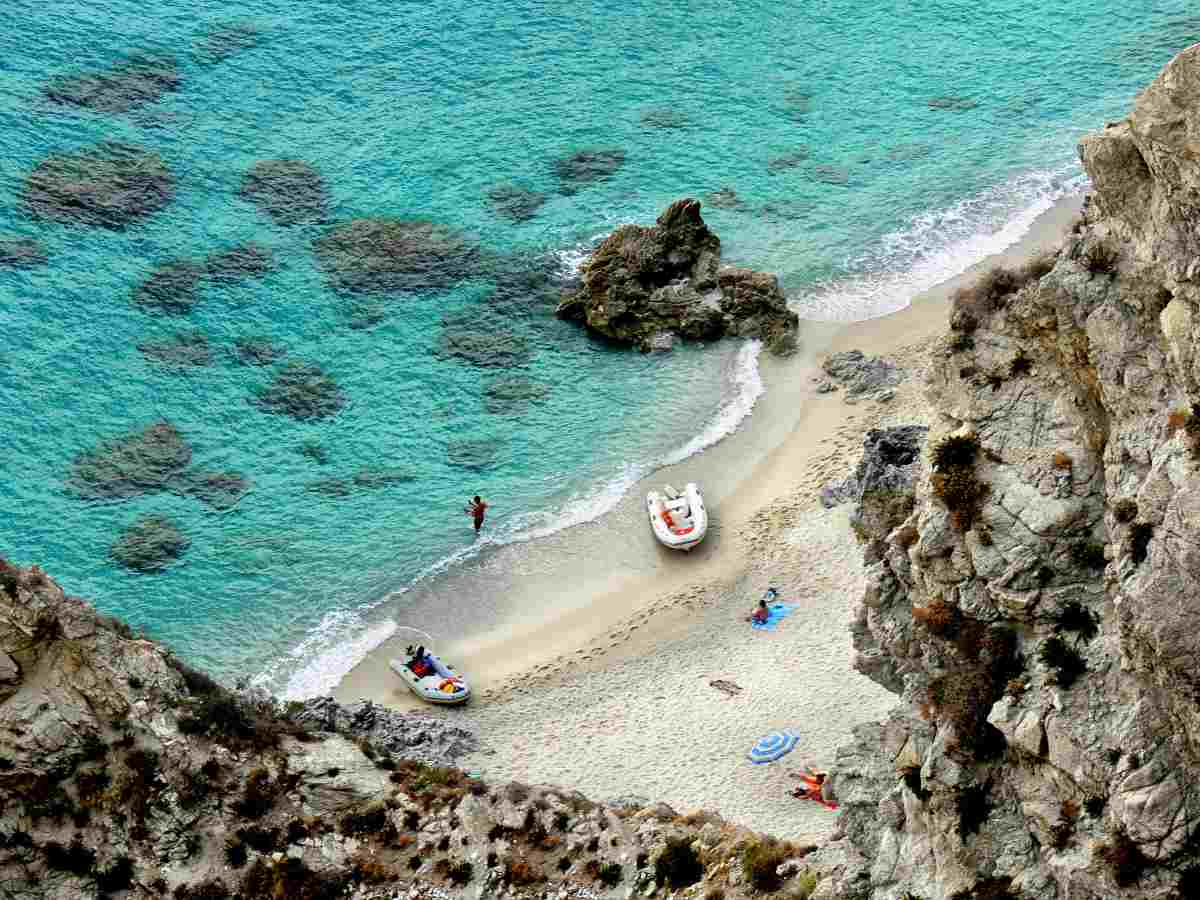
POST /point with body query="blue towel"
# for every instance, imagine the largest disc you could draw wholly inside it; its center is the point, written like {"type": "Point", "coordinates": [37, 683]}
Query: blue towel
{"type": "Point", "coordinates": [775, 612]}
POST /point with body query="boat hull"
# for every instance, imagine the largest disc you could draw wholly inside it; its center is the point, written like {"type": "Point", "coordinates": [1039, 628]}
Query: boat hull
{"type": "Point", "coordinates": [443, 687]}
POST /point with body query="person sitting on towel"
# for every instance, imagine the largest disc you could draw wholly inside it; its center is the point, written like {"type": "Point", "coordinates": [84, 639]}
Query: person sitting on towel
{"type": "Point", "coordinates": [759, 616]}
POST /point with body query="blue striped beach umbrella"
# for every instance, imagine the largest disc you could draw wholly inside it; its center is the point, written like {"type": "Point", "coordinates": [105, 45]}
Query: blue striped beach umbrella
{"type": "Point", "coordinates": [772, 746]}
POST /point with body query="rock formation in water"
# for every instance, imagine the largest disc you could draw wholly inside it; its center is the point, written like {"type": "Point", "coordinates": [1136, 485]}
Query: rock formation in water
{"type": "Point", "coordinates": [290, 191]}
{"type": "Point", "coordinates": [644, 285]}
{"type": "Point", "coordinates": [129, 85]}
{"type": "Point", "coordinates": [127, 774]}
{"type": "Point", "coordinates": [109, 185]}
{"type": "Point", "coordinates": [383, 256]}
{"type": "Point", "coordinates": [1038, 609]}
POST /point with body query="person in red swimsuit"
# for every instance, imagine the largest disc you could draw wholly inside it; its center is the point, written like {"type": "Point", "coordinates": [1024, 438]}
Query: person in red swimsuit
{"type": "Point", "coordinates": [815, 786]}
{"type": "Point", "coordinates": [476, 509]}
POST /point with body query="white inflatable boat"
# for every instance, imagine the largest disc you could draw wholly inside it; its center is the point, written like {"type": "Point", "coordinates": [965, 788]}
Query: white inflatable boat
{"type": "Point", "coordinates": [427, 675]}
{"type": "Point", "coordinates": [679, 520]}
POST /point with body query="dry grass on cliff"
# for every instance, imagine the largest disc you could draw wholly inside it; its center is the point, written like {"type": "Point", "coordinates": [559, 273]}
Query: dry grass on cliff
{"type": "Point", "coordinates": [971, 305]}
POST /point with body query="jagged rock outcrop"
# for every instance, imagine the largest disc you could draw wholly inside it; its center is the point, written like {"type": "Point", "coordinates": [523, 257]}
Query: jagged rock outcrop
{"type": "Point", "coordinates": [1039, 609]}
{"type": "Point", "coordinates": [124, 773]}
{"type": "Point", "coordinates": [644, 285]}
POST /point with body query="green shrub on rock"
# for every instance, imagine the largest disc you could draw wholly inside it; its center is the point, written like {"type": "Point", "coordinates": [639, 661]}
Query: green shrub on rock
{"type": "Point", "coordinates": [678, 865]}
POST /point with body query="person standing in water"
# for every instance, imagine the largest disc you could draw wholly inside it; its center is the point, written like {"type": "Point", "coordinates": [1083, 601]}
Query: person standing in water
{"type": "Point", "coordinates": [476, 509]}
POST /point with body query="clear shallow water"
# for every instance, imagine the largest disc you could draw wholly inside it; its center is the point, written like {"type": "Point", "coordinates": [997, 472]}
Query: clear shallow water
{"type": "Point", "coordinates": [417, 110]}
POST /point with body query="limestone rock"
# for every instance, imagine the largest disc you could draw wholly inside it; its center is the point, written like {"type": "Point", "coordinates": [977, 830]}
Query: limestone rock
{"type": "Point", "coordinates": [642, 282]}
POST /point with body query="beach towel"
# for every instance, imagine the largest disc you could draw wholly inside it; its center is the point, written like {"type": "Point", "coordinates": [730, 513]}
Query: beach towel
{"type": "Point", "coordinates": [775, 612]}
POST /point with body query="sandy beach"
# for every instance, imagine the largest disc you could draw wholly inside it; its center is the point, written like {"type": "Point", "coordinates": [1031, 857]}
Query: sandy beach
{"type": "Point", "coordinates": [597, 669]}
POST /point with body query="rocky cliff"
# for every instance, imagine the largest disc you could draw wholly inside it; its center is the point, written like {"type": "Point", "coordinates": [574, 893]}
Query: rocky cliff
{"type": "Point", "coordinates": [124, 773]}
{"type": "Point", "coordinates": [644, 286]}
{"type": "Point", "coordinates": [1035, 599]}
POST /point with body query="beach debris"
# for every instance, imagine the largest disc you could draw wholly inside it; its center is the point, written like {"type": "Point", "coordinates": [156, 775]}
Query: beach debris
{"type": "Point", "coordinates": [303, 391]}
{"type": "Point", "coordinates": [137, 82]}
{"type": "Point", "coordinates": [726, 687]}
{"type": "Point", "coordinates": [109, 185]}
{"type": "Point", "coordinates": [772, 746]}
{"type": "Point", "coordinates": [22, 253]}
{"type": "Point", "coordinates": [149, 544]}
{"type": "Point", "coordinates": [180, 350]}
{"type": "Point", "coordinates": [668, 277]}
{"type": "Point", "coordinates": [383, 255]}
{"type": "Point", "coordinates": [585, 167]}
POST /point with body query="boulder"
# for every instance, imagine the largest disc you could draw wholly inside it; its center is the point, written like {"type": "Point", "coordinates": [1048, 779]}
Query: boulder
{"type": "Point", "coordinates": [643, 281]}
{"type": "Point", "coordinates": [290, 191]}
{"type": "Point", "coordinates": [110, 185]}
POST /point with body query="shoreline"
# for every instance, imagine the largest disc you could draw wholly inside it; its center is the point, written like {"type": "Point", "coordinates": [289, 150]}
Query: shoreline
{"type": "Point", "coordinates": [500, 646]}
{"type": "Point", "coordinates": [582, 623]}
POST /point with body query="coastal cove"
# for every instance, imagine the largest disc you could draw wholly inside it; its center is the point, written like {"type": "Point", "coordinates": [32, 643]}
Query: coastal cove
{"type": "Point", "coordinates": [592, 651]}
{"type": "Point", "coordinates": [271, 142]}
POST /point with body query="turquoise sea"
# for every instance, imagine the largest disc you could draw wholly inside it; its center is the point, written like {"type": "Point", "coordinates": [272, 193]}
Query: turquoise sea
{"type": "Point", "coordinates": [863, 151]}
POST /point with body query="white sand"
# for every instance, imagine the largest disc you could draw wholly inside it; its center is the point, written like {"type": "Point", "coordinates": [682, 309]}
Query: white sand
{"type": "Point", "coordinates": [601, 680]}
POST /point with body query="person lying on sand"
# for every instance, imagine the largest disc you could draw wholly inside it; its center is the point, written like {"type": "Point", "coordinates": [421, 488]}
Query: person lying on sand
{"type": "Point", "coordinates": [761, 613]}
{"type": "Point", "coordinates": [816, 786]}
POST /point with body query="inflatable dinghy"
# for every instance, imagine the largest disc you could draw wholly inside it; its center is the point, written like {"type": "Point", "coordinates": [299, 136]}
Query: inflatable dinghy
{"type": "Point", "coordinates": [679, 520]}
{"type": "Point", "coordinates": [428, 675]}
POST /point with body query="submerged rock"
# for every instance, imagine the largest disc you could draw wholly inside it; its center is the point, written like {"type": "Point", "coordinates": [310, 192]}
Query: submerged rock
{"type": "Point", "coordinates": [303, 391]}
{"type": "Point", "coordinates": [259, 351]}
{"type": "Point", "coordinates": [141, 462]}
{"type": "Point", "coordinates": [227, 40]}
{"type": "Point", "coordinates": [363, 314]}
{"type": "Point", "coordinates": [130, 85]}
{"type": "Point", "coordinates": [149, 544]}
{"type": "Point", "coordinates": [830, 175]}
{"type": "Point", "coordinates": [482, 343]}
{"type": "Point", "coordinates": [240, 263]}
{"type": "Point", "coordinates": [955, 103]}
{"type": "Point", "coordinates": [586, 167]}
{"type": "Point", "coordinates": [290, 191]}
{"type": "Point", "coordinates": [182, 349]}
{"type": "Point", "coordinates": [220, 490]}
{"type": "Point", "coordinates": [725, 198]}
{"type": "Point", "coordinates": [512, 394]}
{"type": "Point", "coordinates": [22, 253]}
{"type": "Point", "coordinates": [109, 185]}
{"type": "Point", "coordinates": [172, 288]}
{"type": "Point", "coordinates": [369, 478]}
{"type": "Point", "coordinates": [473, 453]}
{"type": "Point", "coordinates": [793, 160]}
{"type": "Point", "coordinates": [665, 117]}
{"type": "Point", "coordinates": [314, 451]}
{"type": "Point", "coordinates": [369, 256]}
{"type": "Point", "coordinates": [643, 281]}
{"type": "Point", "coordinates": [516, 203]}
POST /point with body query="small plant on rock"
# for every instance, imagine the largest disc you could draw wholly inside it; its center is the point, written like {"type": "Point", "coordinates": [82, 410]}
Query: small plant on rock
{"type": "Point", "coordinates": [1020, 365]}
{"type": "Point", "coordinates": [235, 853]}
{"type": "Point", "coordinates": [1095, 806]}
{"type": "Point", "coordinates": [1139, 541]}
{"type": "Point", "coordinates": [973, 805]}
{"type": "Point", "coordinates": [1125, 510]}
{"type": "Point", "coordinates": [74, 858]}
{"type": "Point", "coordinates": [1088, 555]}
{"type": "Point", "coordinates": [760, 861]}
{"type": "Point", "coordinates": [678, 865]}
{"type": "Point", "coordinates": [520, 873]}
{"type": "Point", "coordinates": [1063, 660]}
{"type": "Point", "coordinates": [1125, 858]}
{"type": "Point", "coordinates": [1074, 618]}
{"type": "Point", "coordinates": [911, 776]}
{"type": "Point", "coordinates": [939, 618]}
